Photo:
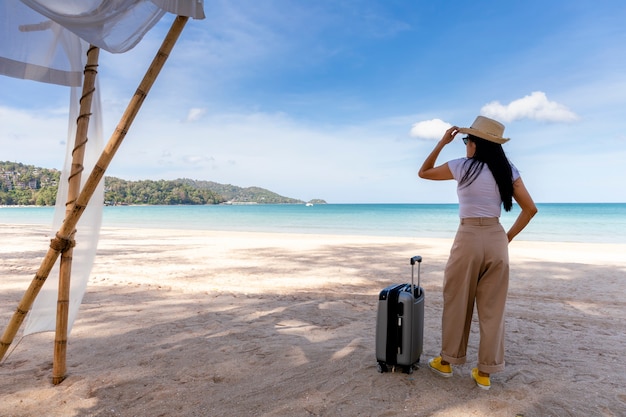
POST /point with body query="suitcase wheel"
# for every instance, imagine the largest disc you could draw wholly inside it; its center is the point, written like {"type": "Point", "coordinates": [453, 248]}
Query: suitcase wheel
{"type": "Point", "coordinates": [382, 367]}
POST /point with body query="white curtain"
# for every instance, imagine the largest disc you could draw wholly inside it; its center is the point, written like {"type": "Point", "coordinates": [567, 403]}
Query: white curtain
{"type": "Point", "coordinates": [47, 41]}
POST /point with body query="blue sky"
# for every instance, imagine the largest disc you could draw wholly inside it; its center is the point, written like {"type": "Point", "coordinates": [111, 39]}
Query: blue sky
{"type": "Point", "coordinates": [344, 100]}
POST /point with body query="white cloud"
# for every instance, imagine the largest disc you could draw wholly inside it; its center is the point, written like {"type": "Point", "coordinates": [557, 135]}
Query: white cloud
{"type": "Point", "coordinates": [197, 159]}
{"type": "Point", "coordinates": [430, 129]}
{"type": "Point", "coordinates": [194, 114]}
{"type": "Point", "coordinates": [535, 106]}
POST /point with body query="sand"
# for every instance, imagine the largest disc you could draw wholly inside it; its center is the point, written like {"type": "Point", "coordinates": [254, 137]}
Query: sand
{"type": "Point", "coordinates": [188, 323]}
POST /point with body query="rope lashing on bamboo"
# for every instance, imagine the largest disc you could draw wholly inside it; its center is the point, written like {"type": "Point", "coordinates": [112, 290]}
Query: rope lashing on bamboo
{"type": "Point", "coordinates": [77, 169]}
{"type": "Point", "coordinates": [93, 68]}
{"type": "Point", "coordinates": [85, 140]}
{"type": "Point", "coordinates": [61, 244]}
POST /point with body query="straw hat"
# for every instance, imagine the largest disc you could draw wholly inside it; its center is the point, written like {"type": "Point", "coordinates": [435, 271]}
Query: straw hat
{"type": "Point", "coordinates": [486, 128]}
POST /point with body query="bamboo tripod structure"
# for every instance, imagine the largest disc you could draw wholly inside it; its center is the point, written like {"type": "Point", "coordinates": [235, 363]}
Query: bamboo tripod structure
{"type": "Point", "coordinates": [63, 240]}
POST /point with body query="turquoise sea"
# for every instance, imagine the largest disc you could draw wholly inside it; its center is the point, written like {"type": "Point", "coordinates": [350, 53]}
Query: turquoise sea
{"type": "Point", "coordinates": [556, 222]}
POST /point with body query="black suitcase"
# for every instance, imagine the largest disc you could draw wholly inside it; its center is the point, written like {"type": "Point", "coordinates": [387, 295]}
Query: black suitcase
{"type": "Point", "coordinates": [400, 324]}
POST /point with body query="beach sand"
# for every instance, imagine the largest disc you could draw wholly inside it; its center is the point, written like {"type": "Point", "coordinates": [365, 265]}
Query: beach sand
{"type": "Point", "coordinates": [188, 323]}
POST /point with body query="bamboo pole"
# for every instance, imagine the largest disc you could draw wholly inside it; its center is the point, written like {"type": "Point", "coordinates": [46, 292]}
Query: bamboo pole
{"type": "Point", "coordinates": [62, 240]}
{"type": "Point", "coordinates": [65, 268]}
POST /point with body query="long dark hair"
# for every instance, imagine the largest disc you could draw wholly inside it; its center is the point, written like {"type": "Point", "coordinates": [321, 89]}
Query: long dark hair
{"type": "Point", "coordinates": [492, 154]}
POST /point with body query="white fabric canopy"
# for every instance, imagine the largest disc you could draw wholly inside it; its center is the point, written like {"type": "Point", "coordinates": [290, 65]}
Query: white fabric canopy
{"type": "Point", "coordinates": [39, 38]}
{"type": "Point", "coordinates": [47, 41]}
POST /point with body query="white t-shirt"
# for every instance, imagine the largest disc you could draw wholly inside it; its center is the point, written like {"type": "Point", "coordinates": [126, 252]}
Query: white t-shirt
{"type": "Point", "coordinates": [481, 198]}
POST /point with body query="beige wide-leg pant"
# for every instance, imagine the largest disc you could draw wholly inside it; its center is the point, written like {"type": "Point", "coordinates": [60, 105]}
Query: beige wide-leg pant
{"type": "Point", "coordinates": [477, 271]}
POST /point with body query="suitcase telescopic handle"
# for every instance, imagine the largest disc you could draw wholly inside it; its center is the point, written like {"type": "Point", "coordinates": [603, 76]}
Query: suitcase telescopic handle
{"type": "Point", "coordinates": [414, 259]}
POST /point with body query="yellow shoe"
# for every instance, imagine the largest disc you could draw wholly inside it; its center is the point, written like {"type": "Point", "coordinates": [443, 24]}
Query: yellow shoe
{"type": "Point", "coordinates": [483, 382]}
{"type": "Point", "coordinates": [441, 370]}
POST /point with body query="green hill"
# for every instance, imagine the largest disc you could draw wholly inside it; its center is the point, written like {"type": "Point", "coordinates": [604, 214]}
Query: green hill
{"type": "Point", "coordinates": [29, 185]}
{"type": "Point", "coordinates": [235, 194]}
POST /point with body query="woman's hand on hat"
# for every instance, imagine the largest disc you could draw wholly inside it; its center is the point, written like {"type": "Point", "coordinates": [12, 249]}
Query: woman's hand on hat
{"type": "Point", "coordinates": [449, 135]}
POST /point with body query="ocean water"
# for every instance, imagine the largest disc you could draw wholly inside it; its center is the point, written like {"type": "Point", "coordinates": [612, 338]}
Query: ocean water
{"type": "Point", "coordinates": [590, 222]}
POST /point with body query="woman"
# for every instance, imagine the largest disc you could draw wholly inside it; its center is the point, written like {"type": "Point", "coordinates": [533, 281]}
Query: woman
{"type": "Point", "coordinates": [478, 267]}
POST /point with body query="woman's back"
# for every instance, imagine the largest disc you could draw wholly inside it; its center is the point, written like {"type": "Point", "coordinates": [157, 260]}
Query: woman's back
{"type": "Point", "coordinates": [480, 197]}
